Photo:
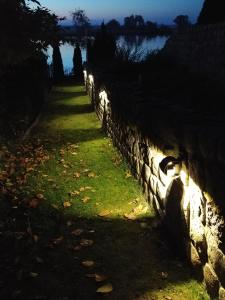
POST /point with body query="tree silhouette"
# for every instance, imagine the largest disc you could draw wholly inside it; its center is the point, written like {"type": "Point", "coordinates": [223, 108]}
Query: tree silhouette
{"type": "Point", "coordinates": [182, 21]}
{"type": "Point", "coordinates": [212, 12]}
{"type": "Point", "coordinates": [77, 63]}
{"type": "Point", "coordinates": [81, 21]}
{"type": "Point", "coordinates": [58, 72]}
{"type": "Point", "coordinates": [104, 47]}
{"type": "Point", "coordinates": [113, 26]}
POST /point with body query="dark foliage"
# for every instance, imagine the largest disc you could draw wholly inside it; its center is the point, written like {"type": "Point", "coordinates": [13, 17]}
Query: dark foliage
{"type": "Point", "coordinates": [113, 26]}
{"type": "Point", "coordinates": [212, 12]}
{"type": "Point", "coordinates": [25, 33]}
{"type": "Point", "coordinates": [104, 47]}
{"type": "Point", "coordinates": [57, 64]}
{"type": "Point", "coordinates": [77, 63]}
{"type": "Point", "coordinates": [182, 22]}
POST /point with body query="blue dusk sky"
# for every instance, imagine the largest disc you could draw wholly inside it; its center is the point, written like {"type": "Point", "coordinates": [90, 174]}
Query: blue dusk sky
{"type": "Point", "coordinates": [160, 11]}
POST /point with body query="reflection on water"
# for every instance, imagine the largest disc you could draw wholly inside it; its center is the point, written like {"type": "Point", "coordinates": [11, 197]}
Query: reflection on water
{"type": "Point", "coordinates": [142, 44]}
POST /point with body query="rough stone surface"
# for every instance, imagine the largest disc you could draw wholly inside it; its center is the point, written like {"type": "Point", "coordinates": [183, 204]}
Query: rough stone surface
{"type": "Point", "coordinates": [192, 205]}
{"type": "Point", "coordinates": [222, 293]}
{"type": "Point", "coordinates": [211, 281]}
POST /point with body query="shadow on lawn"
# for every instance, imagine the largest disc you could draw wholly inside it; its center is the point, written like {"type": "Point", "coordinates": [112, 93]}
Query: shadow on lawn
{"type": "Point", "coordinates": [39, 259]}
{"type": "Point", "coordinates": [64, 95]}
{"type": "Point", "coordinates": [69, 109]}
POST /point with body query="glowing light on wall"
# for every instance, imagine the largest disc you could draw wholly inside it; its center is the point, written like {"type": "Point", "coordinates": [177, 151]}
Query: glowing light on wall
{"type": "Point", "coordinates": [91, 79]}
{"type": "Point", "coordinates": [85, 75]}
{"type": "Point", "coordinates": [104, 101]}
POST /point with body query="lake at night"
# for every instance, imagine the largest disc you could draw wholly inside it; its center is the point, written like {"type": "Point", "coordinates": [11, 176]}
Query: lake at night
{"type": "Point", "coordinates": [142, 44]}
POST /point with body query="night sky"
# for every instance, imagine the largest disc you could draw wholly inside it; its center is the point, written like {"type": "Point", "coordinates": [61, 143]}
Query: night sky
{"type": "Point", "coordinates": [160, 11]}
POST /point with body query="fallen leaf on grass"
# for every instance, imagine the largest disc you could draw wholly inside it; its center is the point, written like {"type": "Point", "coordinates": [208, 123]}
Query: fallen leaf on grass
{"type": "Point", "coordinates": [130, 216]}
{"type": "Point", "coordinates": [66, 204]}
{"type": "Point", "coordinates": [55, 206]}
{"type": "Point", "coordinates": [74, 193]}
{"type": "Point", "coordinates": [107, 288]}
{"type": "Point", "coordinates": [40, 196]}
{"type": "Point", "coordinates": [97, 277]}
{"type": "Point", "coordinates": [76, 175]}
{"type": "Point", "coordinates": [92, 275]}
{"type": "Point", "coordinates": [164, 275]}
{"type": "Point", "coordinates": [100, 277]}
{"type": "Point", "coordinates": [91, 175]}
{"type": "Point", "coordinates": [69, 223]}
{"type": "Point", "coordinates": [58, 240]}
{"type": "Point", "coordinates": [86, 243]}
{"type": "Point", "coordinates": [35, 237]}
{"type": "Point", "coordinates": [77, 232]}
{"type": "Point", "coordinates": [86, 199]}
{"type": "Point", "coordinates": [128, 174]}
{"type": "Point", "coordinates": [88, 263]}
{"type": "Point", "coordinates": [39, 260]}
{"type": "Point", "coordinates": [74, 153]}
{"type": "Point", "coordinates": [140, 209]}
{"type": "Point", "coordinates": [104, 213]}
{"type": "Point", "coordinates": [33, 274]}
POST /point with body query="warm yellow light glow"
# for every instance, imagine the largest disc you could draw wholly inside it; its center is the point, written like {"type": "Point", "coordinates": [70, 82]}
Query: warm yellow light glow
{"type": "Point", "coordinates": [103, 98]}
{"type": "Point", "coordinates": [91, 79]}
{"type": "Point", "coordinates": [85, 75]}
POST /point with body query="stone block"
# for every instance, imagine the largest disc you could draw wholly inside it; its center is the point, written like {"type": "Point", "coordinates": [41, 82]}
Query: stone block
{"type": "Point", "coordinates": [194, 257]}
{"type": "Point", "coordinates": [211, 281]}
{"type": "Point", "coordinates": [147, 172]}
{"type": "Point", "coordinates": [157, 207]}
{"type": "Point", "coordinates": [222, 293]}
{"type": "Point", "coordinates": [197, 235]}
{"type": "Point", "coordinates": [153, 183]}
{"type": "Point", "coordinates": [161, 191]}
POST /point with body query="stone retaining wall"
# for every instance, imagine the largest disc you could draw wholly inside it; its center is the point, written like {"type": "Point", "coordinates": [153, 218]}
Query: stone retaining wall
{"type": "Point", "coordinates": [179, 160]}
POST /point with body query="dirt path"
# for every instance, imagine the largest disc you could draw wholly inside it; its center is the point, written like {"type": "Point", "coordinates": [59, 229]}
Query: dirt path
{"type": "Point", "coordinates": [74, 225]}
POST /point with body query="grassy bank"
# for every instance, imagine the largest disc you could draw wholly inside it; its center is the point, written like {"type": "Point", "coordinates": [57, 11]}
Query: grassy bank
{"type": "Point", "coordinates": [73, 220]}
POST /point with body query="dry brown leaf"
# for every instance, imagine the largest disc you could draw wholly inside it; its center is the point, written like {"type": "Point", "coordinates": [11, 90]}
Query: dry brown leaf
{"type": "Point", "coordinates": [55, 206]}
{"type": "Point", "coordinates": [128, 174]}
{"type": "Point", "coordinates": [35, 237]}
{"type": "Point", "coordinates": [91, 175]}
{"type": "Point", "coordinates": [100, 277]}
{"type": "Point", "coordinates": [77, 232]}
{"type": "Point", "coordinates": [86, 199]}
{"type": "Point", "coordinates": [58, 240]}
{"type": "Point", "coordinates": [104, 213]}
{"type": "Point", "coordinates": [40, 196]}
{"type": "Point", "coordinates": [107, 288]}
{"type": "Point", "coordinates": [66, 204]}
{"type": "Point", "coordinates": [69, 223]}
{"type": "Point", "coordinates": [164, 275]}
{"type": "Point", "coordinates": [86, 243]}
{"type": "Point", "coordinates": [33, 274]}
{"type": "Point", "coordinates": [88, 263]}
{"type": "Point", "coordinates": [76, 175]}
{"type": "Point", "coordinates": [74, 193]}
{"type": "Point", "coordinates": [91, 275]}
{"type": "Point", "coordinates": [39, 260]}
{"type": "Point", "coordinates": [130, 216]}
{"type": "Point", "coordinates": [77, 248]}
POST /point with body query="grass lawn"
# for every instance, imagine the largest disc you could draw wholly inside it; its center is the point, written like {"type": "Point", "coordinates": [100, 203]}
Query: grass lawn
{"type": "Point", "coordinates": [74, 224]}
